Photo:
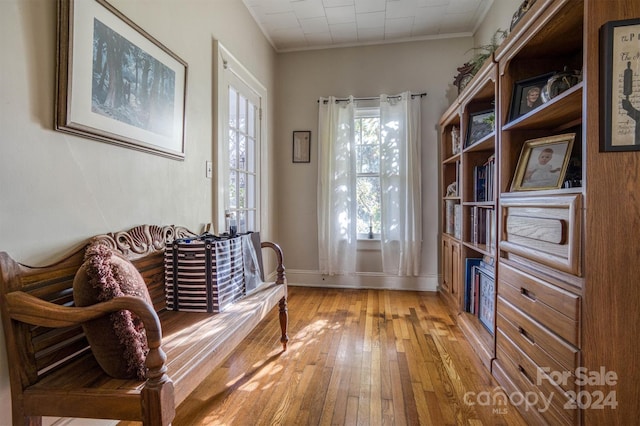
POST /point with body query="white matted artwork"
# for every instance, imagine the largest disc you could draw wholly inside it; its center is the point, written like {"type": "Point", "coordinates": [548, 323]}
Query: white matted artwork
{"type": "Point", "coordinates": [116, 83]}
{"type": "Point", "coordinates": [302, 146]}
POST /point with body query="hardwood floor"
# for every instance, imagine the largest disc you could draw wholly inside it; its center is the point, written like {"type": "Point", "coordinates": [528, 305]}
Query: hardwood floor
{"type": "Point", "coordinates": [355, 357]}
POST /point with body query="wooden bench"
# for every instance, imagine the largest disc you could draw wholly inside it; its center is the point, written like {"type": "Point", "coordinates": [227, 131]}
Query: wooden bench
{"type": "Point", "coordinates": [52, 369]}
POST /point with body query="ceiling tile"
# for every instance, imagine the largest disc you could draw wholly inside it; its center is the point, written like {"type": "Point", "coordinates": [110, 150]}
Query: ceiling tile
{"type": "Point", "coordinates": [300, 24]}
{"type": "Point", "coordinates": [308, 9]}
{"type": "Point", "coordinates": [370, 20]}
{"type": "Point", "coordinates": [367, 6]}
{"type": "Point", "coordinates": [314, 25]}
{"type": "Point", "coordinates": [340, 15]}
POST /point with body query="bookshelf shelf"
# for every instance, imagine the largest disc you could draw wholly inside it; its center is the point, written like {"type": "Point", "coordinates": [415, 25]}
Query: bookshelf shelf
{"type": "Point", "coordinates": [557, 244]}
{"type": "Point", "coordinates": [474, 239]}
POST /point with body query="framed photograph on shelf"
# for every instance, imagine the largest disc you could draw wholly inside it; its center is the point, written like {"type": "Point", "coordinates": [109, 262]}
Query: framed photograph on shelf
{"type": "Point", "coordinates": [526, 95]}
{"type": "Point", "coordinates": [543, 163]}
{"type": "Point", "coordinates": [486, 299]}
{"type": "Point", "coordinates": [116, 83]}
{"type": "Point", "coordinates": [621, 86]}
{"type": "Point", "coordinates": [302, 146]}
{"type": "Point", "coordinates": [480, 125]}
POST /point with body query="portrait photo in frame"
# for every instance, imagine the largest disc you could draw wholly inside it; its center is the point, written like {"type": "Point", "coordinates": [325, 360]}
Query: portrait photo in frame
{"type": "Point", "coordinates": [302, 146]}
{"type": "Point", "coordinates": [116, 83]}
{"type": "Point", "coordinates": [527, 95]}
{"type": "Point", "coordinates": [543, 163]}
{"type": "Point", "coordinates": [620, 44]}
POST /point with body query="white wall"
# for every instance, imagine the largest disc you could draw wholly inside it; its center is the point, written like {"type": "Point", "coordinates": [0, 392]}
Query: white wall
{"type": "Point", "coordinates": [303, 77]}
{"type": "Point", "coordinates": [57, 190]}
{"type": "Point", "coordinates": [498, 16]}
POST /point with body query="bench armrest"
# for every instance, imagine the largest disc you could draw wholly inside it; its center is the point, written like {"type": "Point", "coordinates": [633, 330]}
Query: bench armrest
{"type": "Point", "coordinates": [29, 309]}
{"type": "Point", "coordinates": [281, 277]}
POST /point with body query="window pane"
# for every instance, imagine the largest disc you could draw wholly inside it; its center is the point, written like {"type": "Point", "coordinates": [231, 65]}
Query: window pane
{"type": "Point", "coordinates": [242, 152]}
{"type": "Point", "coordinates": [251, 191]}
{"type": "Point", "coordinates": [242, 190]}
{"type": "Point", "coordinates": [368, 158]}
{"type": "Point", "coordinates": [368, 193]}
{"type": "Point", "coordinates": [232, 149]}
{"type": "Point", "coordinates": [242, 221]}
{"type": "Point", "coordinates": [233, 190]}
{"type": "Point", "coordinates": [251, 220]}
{"type": "Point", "coordinates": [252, 120]}
{"type": "Point", "coordinates": [242, 114]}
{"type": "Point", "coordinates": [251, 155]}
{"type": "Point", "coordinates": [233, 108]}
{"type": "Point", "coordinates": [370, 130]}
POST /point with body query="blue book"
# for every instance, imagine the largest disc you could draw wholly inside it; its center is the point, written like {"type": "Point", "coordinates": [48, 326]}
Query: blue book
{"type": "Point", "coordinates": [469, 263]}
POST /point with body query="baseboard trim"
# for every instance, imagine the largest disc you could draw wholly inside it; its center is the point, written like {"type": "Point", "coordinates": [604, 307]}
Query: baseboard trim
{"type": "Point", "coordinates": [363, 280]}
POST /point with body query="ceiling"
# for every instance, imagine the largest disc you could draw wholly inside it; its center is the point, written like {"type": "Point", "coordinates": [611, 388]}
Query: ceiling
{"type": "Point", "coordinates": [313, 24]}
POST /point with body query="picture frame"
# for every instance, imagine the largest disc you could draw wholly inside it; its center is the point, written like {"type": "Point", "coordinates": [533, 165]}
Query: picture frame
{"type": "Point", "coordinates": [139, 104]}
{"type": "Point", "coordinates": [620, 83]}
{"type": "Point", "coordinates": [302, 146]}
{"type": "Point", "coordinates": [486, 296]}
{"type": "Point", "coordinates": [521, 103]}
{"type": "Point", "coordinates": [543, 163]}
{"type": "Point", "coordinates": [480, 125]}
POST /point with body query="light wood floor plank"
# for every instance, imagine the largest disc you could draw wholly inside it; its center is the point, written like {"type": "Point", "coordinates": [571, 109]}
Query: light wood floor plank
{"type": "Point", "coordinates": [355, 357]}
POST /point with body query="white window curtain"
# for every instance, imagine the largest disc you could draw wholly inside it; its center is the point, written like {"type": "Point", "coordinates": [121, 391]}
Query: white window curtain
{"type": "Point", "coordinates": [337, 238]}
{"type": "Point", "coordinates": [400, 178]}
{"type": "Point", "coordinates": [401, 232]}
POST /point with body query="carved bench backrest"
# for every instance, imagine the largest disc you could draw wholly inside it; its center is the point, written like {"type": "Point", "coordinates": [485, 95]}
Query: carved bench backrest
{"type": "Point", "coordinates": [32, 351]}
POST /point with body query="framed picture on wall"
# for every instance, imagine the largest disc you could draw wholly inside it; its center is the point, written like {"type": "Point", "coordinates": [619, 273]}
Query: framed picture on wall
{"type": "Point", "coordinates": [620, 86]}
{"type": "Point", "coordinates": [116, 83]}
{"type": "Point", "coordinates": [302, 146]}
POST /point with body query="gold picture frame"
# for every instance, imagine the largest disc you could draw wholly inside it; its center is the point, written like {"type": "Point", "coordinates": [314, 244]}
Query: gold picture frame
{"type": "Point", "coordinates": [543, 163]}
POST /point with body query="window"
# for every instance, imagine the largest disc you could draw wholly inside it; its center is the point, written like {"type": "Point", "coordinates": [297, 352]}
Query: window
{"type": "Point", "coordinates": [367, 144]}
{"type": "Point", "coordinates": [238, 154]}
{"type": "Point", "coordinates": [242, 150]}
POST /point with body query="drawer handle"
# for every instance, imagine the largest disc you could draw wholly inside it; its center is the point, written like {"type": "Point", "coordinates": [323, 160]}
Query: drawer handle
{"type": "Point", "coordinates": [526, 335]}
{"type": "Point", "coordinates": [525, 374]}
{"type": "Point", "coordinates": [527, 294]}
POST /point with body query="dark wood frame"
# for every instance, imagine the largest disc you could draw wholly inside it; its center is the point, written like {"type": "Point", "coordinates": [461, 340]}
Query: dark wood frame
{"type": "Point", "coordinates": [612, 44]}
{"type": "Point", "coordinates": [471, 138]}
{"type": "Point", "coordinates": [301, 154]}
{"type": "Point", "coordinates": [74, 113]}
{"type": "Point", "coordinates": [515, 109]}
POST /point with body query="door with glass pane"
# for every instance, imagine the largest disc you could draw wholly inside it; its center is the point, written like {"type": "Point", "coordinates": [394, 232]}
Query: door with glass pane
{"type": "Point", "coordinates": [243, 156]}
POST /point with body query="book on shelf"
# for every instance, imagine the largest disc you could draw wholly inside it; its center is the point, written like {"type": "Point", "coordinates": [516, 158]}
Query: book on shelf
{"type": "Point", "coordinates": [469, 276]}
{"type": "Point", "coordinates": [482, 226]}
{"type": "Point", "coordinates": [480, 294]}
{"type": "Point", "coordinates": [457, 221]}
{"type": "Point", "coordinates": [483, 179]}
{"type": "Point", "coordinates": [486, 296]}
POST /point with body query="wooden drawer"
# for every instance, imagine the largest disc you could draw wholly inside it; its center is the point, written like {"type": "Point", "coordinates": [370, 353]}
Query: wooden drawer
{"type": "Point", "coordinates": [556, 309]}
{"type": "Point", "coordinates": [544, 229]}
{"type": "Point", "coordinates": [538, 343]}
{"type": "Point", "coordinates": [533, 385]}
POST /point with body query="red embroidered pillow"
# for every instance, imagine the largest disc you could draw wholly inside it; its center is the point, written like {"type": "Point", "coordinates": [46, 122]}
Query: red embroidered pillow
{"type": "Point", "coordinates": [118, 340]}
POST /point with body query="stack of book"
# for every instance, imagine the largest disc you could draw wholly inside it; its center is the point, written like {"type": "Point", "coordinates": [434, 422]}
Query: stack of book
{"type": "Point", "coordinates": [479, 293]}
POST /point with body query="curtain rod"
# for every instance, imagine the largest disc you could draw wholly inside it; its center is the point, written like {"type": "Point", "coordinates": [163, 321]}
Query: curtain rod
{"type": "Point", "coordinates": [413, 95]}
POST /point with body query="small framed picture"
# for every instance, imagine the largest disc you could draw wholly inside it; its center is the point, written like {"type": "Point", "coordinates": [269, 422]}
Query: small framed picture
{"type": "Point", "coordinates": [302, 146]}
{"type": "Point", "coordinates": [543, 163]}
{"type": "Point", "coordinates": [480, 125]}
{"type": "Point", "coordinates": [620, 86]}
{"type": "Point", "coordinates": [527, 95]}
